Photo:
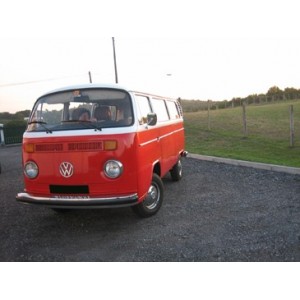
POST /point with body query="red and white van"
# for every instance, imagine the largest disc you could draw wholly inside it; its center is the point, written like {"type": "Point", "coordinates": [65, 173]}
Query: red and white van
{"type": "Point", "coordinates": [92, 146]}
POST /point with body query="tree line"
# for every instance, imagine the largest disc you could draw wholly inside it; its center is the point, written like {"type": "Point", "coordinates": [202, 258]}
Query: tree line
{"type": "Point", "coordinates": [274, 94]}
{"type": "Point", "coordinates": [14, 120]}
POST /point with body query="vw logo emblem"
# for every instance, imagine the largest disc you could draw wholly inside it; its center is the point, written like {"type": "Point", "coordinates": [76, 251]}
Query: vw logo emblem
{"type": "Point", "coordinates": [66, 169]}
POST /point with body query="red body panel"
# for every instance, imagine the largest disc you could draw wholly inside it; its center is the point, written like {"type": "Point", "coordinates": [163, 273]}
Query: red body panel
{"type": "Point", "coordinates": [158, 145]}
{"type": "Point", "coordinates": [138, 152]}
{"type": "Point", "coordinates": [88, 165]}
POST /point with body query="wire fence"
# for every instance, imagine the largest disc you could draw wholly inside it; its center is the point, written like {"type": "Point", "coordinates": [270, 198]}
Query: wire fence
{"type": "Point", "coordinates": [278, 121]}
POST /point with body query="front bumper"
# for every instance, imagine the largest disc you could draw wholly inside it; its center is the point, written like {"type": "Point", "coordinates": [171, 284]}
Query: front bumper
{"type": "Point", "coordinates": [79, 201]}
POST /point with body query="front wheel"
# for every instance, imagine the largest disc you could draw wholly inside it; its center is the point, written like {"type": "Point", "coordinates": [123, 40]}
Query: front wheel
{"type": "Point", "coordinates": [153, 201]}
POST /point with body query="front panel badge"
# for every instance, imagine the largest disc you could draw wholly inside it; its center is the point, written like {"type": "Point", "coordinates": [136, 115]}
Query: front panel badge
{"type": "Point", "coordinates": [66, 169]}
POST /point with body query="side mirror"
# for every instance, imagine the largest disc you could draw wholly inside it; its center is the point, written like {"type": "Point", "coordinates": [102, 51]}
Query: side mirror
{"type": "Point", "coordinates": [151, 119]}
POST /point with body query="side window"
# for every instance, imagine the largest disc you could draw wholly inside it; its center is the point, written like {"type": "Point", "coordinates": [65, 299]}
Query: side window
{"type": "Point", "coordinates": [179, 107]}
{"type": "Point", "coordinates": [160, 109]}
{"type": "Point", "coordinates": [143, 108]}
{"type": "Point", "coordinates": [173, 110]}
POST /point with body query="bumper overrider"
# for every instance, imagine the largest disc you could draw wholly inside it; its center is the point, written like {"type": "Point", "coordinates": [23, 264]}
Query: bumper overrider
{"type": "Point", "coordinates": [78, 201]}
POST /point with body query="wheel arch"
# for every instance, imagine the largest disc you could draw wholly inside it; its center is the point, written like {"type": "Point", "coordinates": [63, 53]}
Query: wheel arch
{"type": "Point", "coordinates": [157, 168]}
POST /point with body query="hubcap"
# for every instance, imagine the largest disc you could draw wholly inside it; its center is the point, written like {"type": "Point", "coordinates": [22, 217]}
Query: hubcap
{"type": "Point", "coordinates": [153, 197]}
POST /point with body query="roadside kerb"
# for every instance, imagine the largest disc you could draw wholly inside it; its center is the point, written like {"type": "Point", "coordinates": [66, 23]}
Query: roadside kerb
{"type": "Point", "coordinates": [243, 163]}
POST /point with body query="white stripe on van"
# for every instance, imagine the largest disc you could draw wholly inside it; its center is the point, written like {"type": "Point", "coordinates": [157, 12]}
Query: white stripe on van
{"type": "Point", "coordinates": [160, 137]}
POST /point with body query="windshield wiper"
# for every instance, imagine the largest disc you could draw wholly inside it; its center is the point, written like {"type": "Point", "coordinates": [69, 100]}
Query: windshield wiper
{"type": "Point", "coordinates": [87, 124]}
{"type": "Point", "coordinates": [42, 124]}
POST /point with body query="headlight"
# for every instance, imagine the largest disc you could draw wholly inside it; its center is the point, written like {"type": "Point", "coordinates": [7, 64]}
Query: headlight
{"type": "Point", "coordinates": [113, 168]}
{"type": "Point", "coordinates": [31, 169]}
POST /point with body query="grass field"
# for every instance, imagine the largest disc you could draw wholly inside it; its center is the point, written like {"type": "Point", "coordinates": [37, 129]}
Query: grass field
{"type": "Point", "coordinates": [268, 138]}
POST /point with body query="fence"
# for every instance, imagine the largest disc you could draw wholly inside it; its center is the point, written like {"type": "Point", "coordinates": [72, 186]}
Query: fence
{"type": "Point", "coordinates": [1, 135]}
{"type": "Point", "coordinates": [291, 121]}
{"type": "Point", "coordinates": [278, 121]}
{"type": "Point", "coordinates": [11, 135]}
{"type": "Point", "coordinates": [244, 120]}
{"type": "Point", "coordinates": [267, 133]}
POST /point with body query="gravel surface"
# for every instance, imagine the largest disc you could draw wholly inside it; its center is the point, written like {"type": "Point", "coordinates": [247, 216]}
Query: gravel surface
{"type": "Point", "coordinates": [217, 212]}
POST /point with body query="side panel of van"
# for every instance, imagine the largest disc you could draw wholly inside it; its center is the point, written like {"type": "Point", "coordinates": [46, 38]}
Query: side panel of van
{"type": "Point", "coordinates": [171, 143]}
{"type": "Point", "coordinates": [148, 153]}
{"type": "Point", "coordinates": [158, 146]}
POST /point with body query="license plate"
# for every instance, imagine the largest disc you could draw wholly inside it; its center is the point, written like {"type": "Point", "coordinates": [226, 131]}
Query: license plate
{"type": "Point", "coordinates": [68, 197]}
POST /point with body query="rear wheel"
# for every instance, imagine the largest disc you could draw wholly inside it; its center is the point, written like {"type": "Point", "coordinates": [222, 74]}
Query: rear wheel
{"type": "Point", "coordinates": [176, 171]}
{"type": "Point", "coordinates": [153, 201]}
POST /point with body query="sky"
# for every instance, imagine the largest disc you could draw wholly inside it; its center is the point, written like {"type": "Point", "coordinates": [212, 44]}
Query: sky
{"type": "Point", "coordinates": [203, 50]}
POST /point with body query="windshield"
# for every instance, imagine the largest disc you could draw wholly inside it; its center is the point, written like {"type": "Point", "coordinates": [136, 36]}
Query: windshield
{"type": "Point", "coordinates": [81, 109]}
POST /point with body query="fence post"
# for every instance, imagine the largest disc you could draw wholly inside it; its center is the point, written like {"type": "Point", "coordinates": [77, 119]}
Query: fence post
{"type": "Point", "coordinates": [245, 120]}
{"type": "Point", "coordinates": [2, 141]}
{"type": "Point", "coordinates": [208, 114]}
{"type": "Point", "coordinates": [292, 129]}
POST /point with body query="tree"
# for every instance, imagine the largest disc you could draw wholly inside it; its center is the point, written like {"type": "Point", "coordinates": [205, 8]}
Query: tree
{"type": "Point", "coordinates": [20, 115]}
{"type": "Point", "coordinates": [291, 93]}
{"type": "Point", "coordinates": [6, 116]}
{"type": "Point", "coordinates": [275, 92]}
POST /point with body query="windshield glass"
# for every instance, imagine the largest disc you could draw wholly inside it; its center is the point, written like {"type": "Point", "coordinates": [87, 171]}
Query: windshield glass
{"type": "Point", "coordinates": [81, 109]}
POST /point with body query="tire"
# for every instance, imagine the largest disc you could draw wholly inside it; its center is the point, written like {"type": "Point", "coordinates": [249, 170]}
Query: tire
{"type": "Point", "coordinates": [176, 171]}
{"type": "Point", "coordinates": [153, 201]}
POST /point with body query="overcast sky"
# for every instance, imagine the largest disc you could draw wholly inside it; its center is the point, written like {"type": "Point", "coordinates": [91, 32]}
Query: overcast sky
{"type": "Point", "coordinates": [190, 49]}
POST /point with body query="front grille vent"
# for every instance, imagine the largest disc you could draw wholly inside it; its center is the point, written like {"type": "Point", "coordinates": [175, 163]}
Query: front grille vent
{"type": "Point", "coordinates": [59, 147]}
{"type": "Point", "coordinates": [90, 146]}
{"type": "Point", "coordinates": [48, 147]}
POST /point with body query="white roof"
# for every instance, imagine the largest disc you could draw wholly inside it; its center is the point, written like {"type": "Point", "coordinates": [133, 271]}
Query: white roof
{"type": "Point", "coordinates": [99, 85]}
{"type": "Point", "coordinates": [86, 86]}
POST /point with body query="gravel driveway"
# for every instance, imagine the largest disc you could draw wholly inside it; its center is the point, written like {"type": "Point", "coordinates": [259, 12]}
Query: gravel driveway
{"type": "Point", "coordinates": [217, 212]}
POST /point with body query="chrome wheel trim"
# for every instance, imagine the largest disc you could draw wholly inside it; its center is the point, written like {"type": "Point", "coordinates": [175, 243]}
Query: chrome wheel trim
{"type": "Point", "coordinates": [153, 196]}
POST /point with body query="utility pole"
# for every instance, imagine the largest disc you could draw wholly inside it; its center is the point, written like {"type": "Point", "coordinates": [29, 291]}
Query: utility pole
{"type": "Point", "coordinates": [115, 60]}
{"type": "Point", "coordinates": [90, 76]}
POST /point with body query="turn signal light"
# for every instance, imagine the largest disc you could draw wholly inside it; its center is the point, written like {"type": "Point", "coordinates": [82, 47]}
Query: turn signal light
{"type": "Point", "coordinates": [29, 148]}
{"type": "Point", "coordinates": [110, 145]}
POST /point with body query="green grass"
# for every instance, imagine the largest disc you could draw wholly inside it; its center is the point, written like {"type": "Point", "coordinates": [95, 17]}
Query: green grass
{"type": "Point", "coordinates": [268, 138]}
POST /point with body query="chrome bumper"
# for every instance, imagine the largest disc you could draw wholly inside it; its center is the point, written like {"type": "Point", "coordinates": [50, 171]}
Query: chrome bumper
{"type": "Point", "coordinates": [79, 201]}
